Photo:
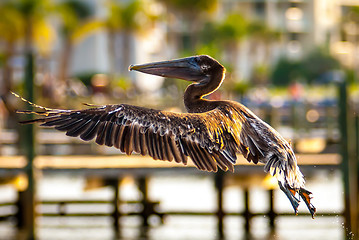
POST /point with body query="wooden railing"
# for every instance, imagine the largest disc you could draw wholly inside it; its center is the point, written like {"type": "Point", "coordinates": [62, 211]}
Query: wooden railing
{"type": "Point", "coordinates": [113, 168]}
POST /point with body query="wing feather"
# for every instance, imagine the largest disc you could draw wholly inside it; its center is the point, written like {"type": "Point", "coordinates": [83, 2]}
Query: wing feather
{"type": "Point", "coordinates": [68, 124]}
{"type": "Point", "coordinates": [117, 136]}
{"type": "Point", "coordinates": [193, 155]}
{"type": "Point", "coordinates": [149, 144]}
{"type": "Point", "coordinates": [135, 139]}
{"type": "Point", "coordinates": [91, 132]}
{"type": "Point", "coordinates": [204, 137]}
{"type": "Point", "coordinates": [108, 134]}
{"type": "Point", "coordinates": [158, 143]}
{"type": "Point", "coordinates": [166, 146]}
{"type": "Point", "coordinates": [81, 127]}
{"type": "Point", "coordinates": [129, 141]}
{"type": "Point", "coordinates": [207, 159]}
{"type": "Point", "coordinates": [178, 155]}
{"type": "Point", "coordinates": [123, 138]}
{"type": "Point", "coordinates": [57, 120]}
{"type": "Point", "coordinates": [100, 139]}
{"type": "Point", "coordinates": [142, 143]}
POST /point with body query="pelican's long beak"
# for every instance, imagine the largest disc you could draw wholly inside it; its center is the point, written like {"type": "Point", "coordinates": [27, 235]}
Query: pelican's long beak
{"type": "Point", "coordinates": [183, 68]}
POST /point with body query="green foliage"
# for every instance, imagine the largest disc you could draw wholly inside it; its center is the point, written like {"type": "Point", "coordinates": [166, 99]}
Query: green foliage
{"type": "Point", "coordinates": [218, 36]}
{"type": "Point", "coordinates": [261, 31]}
{"type": "Point", "coordinates": [30, 7]}
{"type": "Point", "coordinates": [310, 68]}
{"type": "Point", "coordinates": [241, 87]}
{"type": "Point", "coordinates": [86, 77]}
{"type": "Point", "coordinates": [353, 14]}
{"type": "Point", "coordinates": [191, 6]}
{"type": "Point", "coordinates": [233, 28]}
{"type": "Point", "coordinates": [11, 23]}
{"type": "Point", "coordinates": [210, 49]}
{"type": "Point", "coordinates": [123, 83]}
{"type": "Point", "coordinates": [352, 77]}
{"type": "Point", "coordinates": [317, 63]}
{"type": "Point", "coordinates": [260, 74]}
{"type": "Point", "coordinates": [284, 72]}
{"type": "Point", "coordinates": [208, 33]}
{"type": "Point", "coordinates": [2, 60]}
{"type": "Point", "coordinates": [123, 16]}
{"type": "Point", "coordinates": [129, 16]}
{"type": "Point", "coordinates": [73, 13]}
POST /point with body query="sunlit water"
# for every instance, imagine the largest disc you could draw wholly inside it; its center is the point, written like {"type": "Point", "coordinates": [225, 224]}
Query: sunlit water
{"type": "Point", "coordinates": [189, 193]}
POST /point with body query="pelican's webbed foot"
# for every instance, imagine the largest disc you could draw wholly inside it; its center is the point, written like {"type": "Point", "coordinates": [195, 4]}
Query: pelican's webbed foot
{"type": "Point", "coordinates": [303, 193]}
{"type": "Point", "coordinates": [290, 193]}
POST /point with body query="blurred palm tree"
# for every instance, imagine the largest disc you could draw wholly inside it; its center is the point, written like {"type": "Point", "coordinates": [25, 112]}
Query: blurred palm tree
{"type": "Point", "coordinates": [230, 32]}
{"type": "Point", "coordinates": [11, 30]}
{"type": "Point", "coordinates": [32, 12]}
{"type": "Point", "coordinates": [223, 38]}
{"type": "Point", "coordinates": [29, 12]}
{"type": "Point", "coordinates": [125, 19]}
{"type": "Point", "coordinates": [77, 22]}
{"type": "Point", "coordinates": [350, 32]}
{"type": "Point", "coordinates": [21, 21]}
{"type": "Point", "coordinates": [261, 37]}
{"type": "Point", "coordinates": [350, 22]}
{"type": "Point", "coordinates": [185, 20]}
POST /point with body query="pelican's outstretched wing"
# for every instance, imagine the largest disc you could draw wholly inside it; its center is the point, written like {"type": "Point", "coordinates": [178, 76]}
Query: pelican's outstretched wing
{"type": "Point", "coordinates": [204, 137]}
{"type": "Point", "coordinates": [210, 138]}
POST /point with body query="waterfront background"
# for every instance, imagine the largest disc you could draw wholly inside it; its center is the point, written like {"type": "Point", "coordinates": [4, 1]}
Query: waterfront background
{"type": "Point", "coordinates": [183, 193]}
{"type": "Point", "coordinates": [294, 63]}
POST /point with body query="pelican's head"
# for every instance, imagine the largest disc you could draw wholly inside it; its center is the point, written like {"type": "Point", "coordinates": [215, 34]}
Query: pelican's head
{"type": "Point", "coordinates": [195, 68]}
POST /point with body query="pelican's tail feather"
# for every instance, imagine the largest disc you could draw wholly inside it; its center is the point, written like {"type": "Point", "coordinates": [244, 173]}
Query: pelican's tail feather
{"type": "Point", "coordinates": [43, 110]}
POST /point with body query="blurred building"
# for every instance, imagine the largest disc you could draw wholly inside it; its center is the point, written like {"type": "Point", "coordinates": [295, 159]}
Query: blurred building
{"type": "Point", "coordinates": [303, 25]}
{"type": "Point", "coordinates": [92, 54]}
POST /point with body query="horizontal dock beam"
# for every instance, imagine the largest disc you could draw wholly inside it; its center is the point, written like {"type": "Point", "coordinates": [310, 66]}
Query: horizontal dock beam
{"type": "Point", "coordinates": [122, 161]}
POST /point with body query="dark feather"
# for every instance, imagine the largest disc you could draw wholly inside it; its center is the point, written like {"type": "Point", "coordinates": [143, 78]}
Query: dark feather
{"type": "Point", "coordinates": [118, 136]}
{"type": "Point", "coordinates": [208, 159]}
{"type": "Point", "coordinates": [58, 120]}
{"type": "Point", "coordinates": [175, 151]}
{"type": "Point", "coordinates": [149, 144]}
{"type": "Point", "coordinates": [123, 138]}
{"type": "Point", "coordinates": [91, 132]}
{"type": "Point", "coordinates": [80, 128]}
{"type": "Point", "coordinates": [158, 143]}
{"type": "Point", "coordinates": [68, 124]}
{"type": "Point", "coordinates": [136, 137]}
{"type": "Point", "coordinates": [166, 148]}
{"type": "Point", "coordinates": [129, 141]}
{"type": "Point", "coordinates": [109, 132]}
{"type": "Point", "coordinates": [100, 139]}
{"type": "Point", "coordinates": [142, 144]}
{"type": "Point", "coordinates": [192, 154]}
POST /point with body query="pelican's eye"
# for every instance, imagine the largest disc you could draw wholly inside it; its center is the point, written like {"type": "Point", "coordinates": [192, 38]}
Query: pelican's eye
{"type": "Point", "coordinates": [205, 67]}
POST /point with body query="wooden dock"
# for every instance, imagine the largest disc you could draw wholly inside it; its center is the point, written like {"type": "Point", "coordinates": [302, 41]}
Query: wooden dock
{"type": "Point", "coordinates": [120, 162]}
{"type": "Point", "coordinates": [113, 168]}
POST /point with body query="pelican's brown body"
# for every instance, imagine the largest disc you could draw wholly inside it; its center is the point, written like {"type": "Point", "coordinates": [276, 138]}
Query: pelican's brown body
{"type": "Point", "coordinates": [211, 133]}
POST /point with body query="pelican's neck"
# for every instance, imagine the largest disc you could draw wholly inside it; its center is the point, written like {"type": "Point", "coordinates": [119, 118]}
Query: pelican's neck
{"type": "Point", "coordinates": [193, 95]}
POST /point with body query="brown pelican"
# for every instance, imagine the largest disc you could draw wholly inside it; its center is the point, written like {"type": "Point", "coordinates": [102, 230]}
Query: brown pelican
{"type": "Point", "coordinates": [211, 133]}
